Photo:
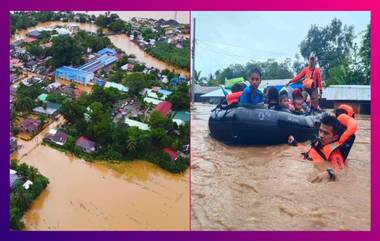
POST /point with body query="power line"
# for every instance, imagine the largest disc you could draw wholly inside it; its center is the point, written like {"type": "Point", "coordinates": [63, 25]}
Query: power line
{"type": "Point", "coordinates": [237, 46]}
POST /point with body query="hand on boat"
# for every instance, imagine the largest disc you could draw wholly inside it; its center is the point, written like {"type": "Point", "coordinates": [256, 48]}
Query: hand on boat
{"type": "Point", "coordinates": [290, 139]}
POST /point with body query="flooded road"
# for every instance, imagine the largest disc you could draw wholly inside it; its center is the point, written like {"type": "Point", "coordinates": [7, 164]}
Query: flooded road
{"type": "Point", "coordinates": [269, 188]}
{"type": "Point", "coordinates": [121, 41]}
{"type": "Point", "coordinates": [103, 196]}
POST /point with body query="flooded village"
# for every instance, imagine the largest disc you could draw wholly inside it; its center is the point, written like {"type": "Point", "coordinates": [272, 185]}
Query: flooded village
{"type": "Point", "coordinates": [100, 118]}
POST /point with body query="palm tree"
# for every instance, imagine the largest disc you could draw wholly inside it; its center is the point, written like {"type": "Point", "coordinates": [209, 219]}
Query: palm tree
{"type": "Point", "coordinates": [21, 198]}
{"type": "Point", "coordinates": [131, 144]}
{"type": "Point", "coordinates": [197, 77]}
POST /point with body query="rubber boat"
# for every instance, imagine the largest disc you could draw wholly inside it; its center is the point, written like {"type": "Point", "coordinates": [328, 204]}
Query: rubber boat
{"type": "Point", "coordinates": [256, 125]}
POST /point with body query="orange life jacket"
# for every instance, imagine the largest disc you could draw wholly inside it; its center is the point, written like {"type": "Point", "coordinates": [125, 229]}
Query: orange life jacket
{"type": "Point", "coordinates": [312, 78]}
{"type": "Point", "coordinates": [233, 97]}
{"type": "Point", "coordinates": [319, 154]}
{"type": "Point", "coordinates": [348, 109]}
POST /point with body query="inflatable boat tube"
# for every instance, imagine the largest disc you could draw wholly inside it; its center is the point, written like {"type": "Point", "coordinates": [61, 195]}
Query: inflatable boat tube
{"type": "Point", "coordinates": [244, 125]}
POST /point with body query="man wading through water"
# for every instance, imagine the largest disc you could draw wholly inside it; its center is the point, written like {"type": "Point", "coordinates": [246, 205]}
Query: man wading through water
{"type": "Point", "coordinates": [335, 138]}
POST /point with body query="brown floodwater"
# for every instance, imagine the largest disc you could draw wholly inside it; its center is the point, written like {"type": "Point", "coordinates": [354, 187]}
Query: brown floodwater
{"type": "Point", "coordinates": [103, 196]}
{"type": "Point", "coordinates": [269, 188]}
{"type": "Point", "coordinates": [121, 41]}
{"type": "Point", "coordinates": [179, 16]}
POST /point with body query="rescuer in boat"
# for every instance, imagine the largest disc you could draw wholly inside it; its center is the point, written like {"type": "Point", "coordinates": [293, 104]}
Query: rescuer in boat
{"type": "Point", "coordinates": [335, 138]}
{"type": "Point", "coordinates": [251, 94]}
{"type": "Point", "coordinates": [312, 81]}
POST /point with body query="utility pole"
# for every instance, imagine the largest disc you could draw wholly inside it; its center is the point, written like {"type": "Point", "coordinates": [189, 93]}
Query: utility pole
{"type": "Point", "coordinates": [193, 64]}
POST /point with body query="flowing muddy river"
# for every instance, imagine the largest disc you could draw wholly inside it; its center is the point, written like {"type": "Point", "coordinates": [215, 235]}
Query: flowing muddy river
{"type": "Point", "coordinates": [103, 196]}
{"type": "Point", "coordinates": [269, 188]}
{"type": "Point", "coordinates": [121, 41]}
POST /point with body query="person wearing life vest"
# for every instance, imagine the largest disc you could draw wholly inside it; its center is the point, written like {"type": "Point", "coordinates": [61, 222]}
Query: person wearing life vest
{"type": "Point", "coordinates": [328, 147]}
{"type": "Point", "coordinates": [312, 81]}
{"type": "Point", "coordinates": [236, 91]}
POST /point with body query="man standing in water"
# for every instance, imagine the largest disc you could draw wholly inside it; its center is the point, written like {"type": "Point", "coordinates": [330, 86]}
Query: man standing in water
{"type": "Point", "coordinates": [312, 81]}
{"type": "Point", "coordinates": [326, 148]}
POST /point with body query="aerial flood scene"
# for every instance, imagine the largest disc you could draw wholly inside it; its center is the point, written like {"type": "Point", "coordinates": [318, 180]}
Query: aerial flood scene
{"type": "Point", "coordinates": [280, 121]}
{"type": "Point", "coordinates": [99, 121]}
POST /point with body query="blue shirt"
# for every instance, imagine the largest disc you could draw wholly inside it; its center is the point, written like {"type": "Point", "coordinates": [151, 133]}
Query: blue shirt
{"type": "Point", "coordinates": [249, 98]}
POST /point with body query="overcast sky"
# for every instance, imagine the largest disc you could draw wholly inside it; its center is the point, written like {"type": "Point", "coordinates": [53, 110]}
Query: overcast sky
{"type": "Point", "coordinates": [225, 38]}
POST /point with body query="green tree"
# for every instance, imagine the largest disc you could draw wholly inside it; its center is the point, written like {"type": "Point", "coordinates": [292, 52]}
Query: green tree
{"type": "Point", "coordinates": [24, 103]}
{"type": "Point", "coordinates": [72, 111]}
{"type": "Point", "coordinates": [180, 98]}
{"type": "Point", "coordinates": [365, 54]}
{"type": "Point", "coordinates": [65, 51]}
{"type": "Point", "coordinates": [332, 44]}
{"type": "Point", "coordinates": [135, 82]}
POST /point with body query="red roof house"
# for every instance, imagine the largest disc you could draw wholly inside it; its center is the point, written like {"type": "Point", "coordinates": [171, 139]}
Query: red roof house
{"type": "Point", "coordinates": [172, 153]}
{"type": "Point", "coordinates": [164, 108]}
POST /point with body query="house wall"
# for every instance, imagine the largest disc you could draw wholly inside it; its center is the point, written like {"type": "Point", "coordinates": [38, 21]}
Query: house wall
{"type": "Point", "coordinates": [359, 107]}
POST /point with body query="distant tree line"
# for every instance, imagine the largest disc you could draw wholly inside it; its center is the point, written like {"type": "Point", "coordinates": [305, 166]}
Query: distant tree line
{"type": "Point", "coordinates": [341, 60]}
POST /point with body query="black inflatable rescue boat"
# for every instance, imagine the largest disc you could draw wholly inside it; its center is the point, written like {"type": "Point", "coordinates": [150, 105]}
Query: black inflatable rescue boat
{"type": "Point", "coordinates": [256, 125]}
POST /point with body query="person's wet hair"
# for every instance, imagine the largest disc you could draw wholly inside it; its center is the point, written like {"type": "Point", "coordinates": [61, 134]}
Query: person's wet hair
{"type": "Point", "coordinates": [283, 92]}
{"type": "Point", "coordinates": [297, 94]}
{"type": "Point", "coordinates": [282, 97]}
{"type": "Point", "coordinates": [237, 87]}
{"type": "Point", "coordinates": [330, 120]}
{"type": "Point", "coordinates": [273, 96]}
{"type": "Point", "coordinates": [254, 70]}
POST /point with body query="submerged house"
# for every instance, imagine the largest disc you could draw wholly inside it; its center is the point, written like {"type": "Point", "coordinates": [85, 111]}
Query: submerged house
{"type": "Point", "coordinates": [14, 179]}
{"type": "Point", "coordinates": [85, 144]}
{"type": "Point", "coordinates": [73, 74]}
{"type": "Point", "coordinates": [12, 144]}
{"type": "Point", "coordinates": [357, 96]}
{"type": "Point", "coordinates": [34, 34]}
{"type": "Point", "coordinates": [56, 136]}
{"type": "Point", "coordinates": [30, 125]}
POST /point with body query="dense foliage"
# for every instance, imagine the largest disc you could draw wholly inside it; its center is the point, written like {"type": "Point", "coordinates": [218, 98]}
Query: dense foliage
{"type": "Point", "coordinates": [169, 53]}
{"type": "Point", "coordinates": [117, 141]}
{"type": "Point", "coordinates": [21, 199]}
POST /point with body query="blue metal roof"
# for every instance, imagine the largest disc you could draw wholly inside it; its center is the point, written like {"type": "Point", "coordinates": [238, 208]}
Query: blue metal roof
{"type": "Point", "coordinates": [107, 51]}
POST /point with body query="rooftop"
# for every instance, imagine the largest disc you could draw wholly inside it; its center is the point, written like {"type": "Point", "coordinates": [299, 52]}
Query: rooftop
{"type": "Point", "coordinates": [348, 92]}
{"type": "Point", "coordinates": [120, 87]}
{"type": "Point", "coordinates": [138, 124]}
{"type": "Point", "coordinates": [164, 108]}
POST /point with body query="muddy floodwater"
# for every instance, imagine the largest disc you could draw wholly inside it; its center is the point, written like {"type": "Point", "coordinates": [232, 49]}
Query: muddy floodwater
{"type": "Point", "coordinates": [102, 196]}
{"type": "Point", "coordinates": [269, 188]}
{"type": "Point", "coordinates": [121, 41]}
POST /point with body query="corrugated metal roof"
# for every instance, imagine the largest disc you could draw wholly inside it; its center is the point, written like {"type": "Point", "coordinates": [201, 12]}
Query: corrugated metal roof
{"type": "Point", "coordinates": [198, 89]}
{"type": "Point", "coordinates": [152, 100]}
{"type": "Point", "coordinates": [215, 93]}
{"type": "Point", "coordinates": [116, 85]}
{"type": "Point", "coordinates": [348, 92]}
{"type": "Point", "coordinates": [140, 125]}
{"type": "Point", "coordinates": [164, 108]}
